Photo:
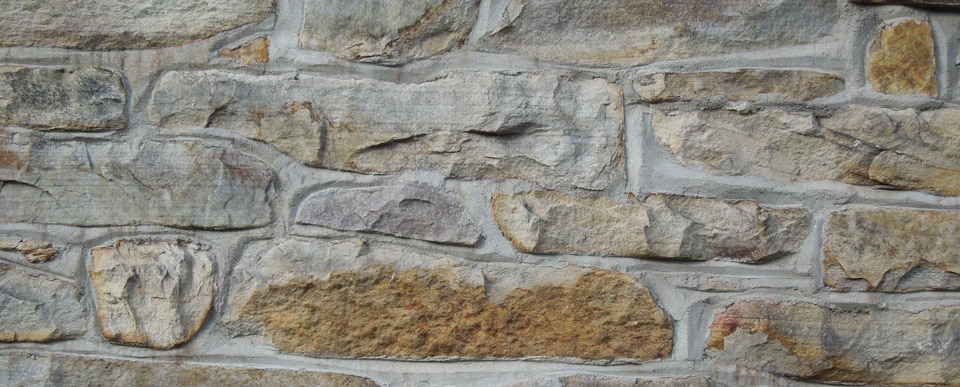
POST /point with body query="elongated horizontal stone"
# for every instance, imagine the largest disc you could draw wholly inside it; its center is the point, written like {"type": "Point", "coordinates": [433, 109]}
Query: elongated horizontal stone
{"type": "Point", "coordinates": [853, 343]}
{"type": "Point", "coordinates": [857, 145]}
{"type": "Point", "coordinates": [38, 307]}
{"type": "Point", "coordinates": [738, 85]}
{"type": "Point", "coordinates": [902, 60]}
{"type": "Point", "coordinates": [892, 250]}
{"type": "Point", "coordinates": [81, 99]}
{"type": "Point", "coordinates": [393, 302]}
{"type": "Point", "coordinates": [181, 183]}
{"type": "Point", "coordinates": [634, 32]}
{"type": "Point", "coordinates": [33, 251]}
{"type": "Point", "coordinates": [24, 369]}
{"type": "Point", "coordinates": [938, 4]}
{"type": "Point", "coordinates": [590, 381]}
{"type": "Point", "coordinates": [660, 226]}
{"type": "Point", "coordinates": [540, 128]}
{"type": "Point", "coordinates": [109, 24]}
{"type": "Point", "coordinates": [411, 211]}
{"type": "Point", "coordinates": [152, 293]}
{"type": "Point", "coordinates": [387, 31]}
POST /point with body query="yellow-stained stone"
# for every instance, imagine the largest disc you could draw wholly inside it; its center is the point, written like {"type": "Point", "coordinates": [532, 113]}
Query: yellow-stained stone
{"type": "Point", "coordinates": [902, 60]}
{"type": "Point", "coordinates": [252, 52]}
{"type": "Point", "coordinates": [738, 85]}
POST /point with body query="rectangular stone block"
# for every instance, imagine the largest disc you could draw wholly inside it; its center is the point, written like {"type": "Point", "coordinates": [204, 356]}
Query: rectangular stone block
{"type": "Point", "coordinates": [37, 307]}
{"type": "Point", "coordinates": [738, 85]}
{"type": "Point", "coordinates": [902, 61]}
{"type": "Point", "coordinates": [74, 99]}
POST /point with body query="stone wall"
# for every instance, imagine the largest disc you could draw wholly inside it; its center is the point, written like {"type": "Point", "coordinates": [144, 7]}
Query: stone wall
{"type": "Point", "coordinates": [480, 192]}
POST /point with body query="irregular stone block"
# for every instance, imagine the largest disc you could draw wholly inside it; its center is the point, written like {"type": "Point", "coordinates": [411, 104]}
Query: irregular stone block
{"type": "Point", "coordinates": [937, 4]}
{"type": "Point", "coordinates": [22, 368]}
{"type": "Point", "coordinates": [38, 307]}
{"type": "Point", "coordinates": [152, 293]}
{"type": "Point", "coordinates": [857, 145]}
{"type": "Point", "coordinates": [738, 85]}
{"type": "Point", "coordinates": [892, 250]}
{"type": "Point", "coordinates": [117, 25]}
{"type": "Point", "coordinates": [395, 303]}
{"type": "Point", "coordinates": [635, 32]}
{"type": "Point", "coordinates": [541, 128]}
{"type": "Point", "coordinates": [411, 211]}
{"type": "Point", "coordinates": [589, 381]}
{"type": "Point", "coordinates": [179, 183]}
{"type": "Point", "coordinates": [81, 99]}
{"type": "Point", "coordinates": [902, 60]}
{"type": "Point", "coordinates": [386, 31]}
{"type": "Point", "coordinates": [33, 251]}
{"type": "Point", "coordinates": [855, 344]}
{"type": "Point", "coordinates": [660, 226]}
{"type": "Point", "coordinates": [252, 52]}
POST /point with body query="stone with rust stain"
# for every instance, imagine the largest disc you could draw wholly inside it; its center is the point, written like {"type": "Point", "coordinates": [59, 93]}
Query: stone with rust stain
{"type": "Point", "coordinates": [902, 61]}
{"type": "Point", "coordinates": [152, 293]}
{"type": "Point", "coordinates": [848, 344]}
{"type": "Point", "coordinates": [37, 307]}
{"type": "Point", "coordinates": [67, 99]}
{"type": "Point", "coordinates": [33, 251]}
{"type": "Point", "coordinates": [891, 250]}
{"type": "Point", "coordinates": [738, 85]}
{"type": "Point", "coordinates": [660, 226]}
{"type": "Point", "coordinates": [249, 53]}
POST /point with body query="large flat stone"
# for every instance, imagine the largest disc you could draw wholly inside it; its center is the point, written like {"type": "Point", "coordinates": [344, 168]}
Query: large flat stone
{"type": "Point", "coordinates": [81, 99]}
{"type": "Point", "coordinates": [634, 32]}
{"type": "Point", "coordinates": [849, 344]}
{"type": "Point", "coordinates": [411, 211]}
{"type": "Point", "coordinates": [660, 226]}
{"type": "Point", "coordinates": [892, 250]}
{"type": "Point", "coordinates": [738, 85]}
{"type": "Point", "coordinates": [38, 307]}
{"type": "Point", "coordinates": [185, 183]}
{"type": "Point", "coordinates": [902, 60]}
{"type": "Point", "coordinates": [387, 31]}
{"type": "Point", "coordinates": [152, 293]}
{"type": "Point", "coordinates": [541, 128]}
{"type": "Point", "coordinates": [111, 24]}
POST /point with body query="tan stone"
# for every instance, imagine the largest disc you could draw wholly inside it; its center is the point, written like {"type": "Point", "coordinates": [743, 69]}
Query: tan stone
{"type": "Point", "coordinates": [588, 381]}
{"type": "Point", "coordinates": [67, 99]}
{"type": "Point", "coordinates": [660, 226]}
{"type": "Point", "coordinates": [738, 85]}
{"type": "Point", "coordinates": [249, 53]}
{"type": "Point", "coordinates": [38, 307]}
{"type": "Point", "coordinates": [33, 251]}
{"type": "Point", "coordinates": [902, 60]}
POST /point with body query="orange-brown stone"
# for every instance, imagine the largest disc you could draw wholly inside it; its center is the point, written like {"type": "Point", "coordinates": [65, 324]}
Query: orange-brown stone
{"type": "Point", "coordinates": [250, 53]}
{"type": "Point", "coordinates": [902, 60]}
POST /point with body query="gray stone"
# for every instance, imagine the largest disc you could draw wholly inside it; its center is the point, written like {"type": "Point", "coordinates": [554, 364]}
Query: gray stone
{"type": "Point", "coordinates": [411, 211]}
{"type": "Point", "coordinates": [541, 128]}
{"type": "Point", "coordinates": [152, 293]}
{"type": "Point", "coordinates": [33, 251]}
{"type": "Point", "coordinates": [110, 24]}
{"type": "Point", "coordinates": [594, 381]}
{"type": "Point", "coordinates": [184, 183]}
{"type": "Point", "coordinates": [738, 85]}
{"type": "Point", "coordinates": [387, 31]}
{"type": "Point", "coordinates": [660, 226]}
{"type": "Point", "coordinates": [81, 99]}
{"type": "Point", "coordinates": [634, 32]}
{"type": "Point", "coordinates": [38, 307]}
{"type": "Point", "coordinates": [937, 4]}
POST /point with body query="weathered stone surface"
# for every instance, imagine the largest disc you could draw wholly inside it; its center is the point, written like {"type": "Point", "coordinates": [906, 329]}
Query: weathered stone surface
{"type": "Point", "coordinates": [252, 52]}
{"type": "Point", "coordinates": [82, 99]}
{"type": "Point", "coordinates": [386, 31]}
{"type": "Point", "coordinates": [660, 226]}
{"type": "Point", "coordinates": [902, 60]}
{"type": "Point", "coordinates": [938, 4]}
{"type": "Point", "coordinates": [411, 211]}
{"type": "Point", "coordinates": [588, 381]}
{"type": "Point", "coordinates": [30, 369]}
{"type": "Point", "coordinates": [33, 251]}
{"type": "Point", "coordinates": [541, 128]}
{"type": "Point", "coordinates": [892, 250]}
{"type": "Point", "coordinates": [182, 183]}
{"type": "Point", "coordinates": [633, 32]}
{"type": "Point", "coordinates": [152, 293]}
{"type": "Point", "coordinates": [857, 145]}
{"type": "Point", "coordinates": [392, 303]}
{"type": "Point", "coordinates": [38, 307]}
{"type": "Point", "coordinates": [857, 344]}
{"type": "Point", "coordinates": [738, 85]}
{"type": "Point", "coordinates": [108, 24]}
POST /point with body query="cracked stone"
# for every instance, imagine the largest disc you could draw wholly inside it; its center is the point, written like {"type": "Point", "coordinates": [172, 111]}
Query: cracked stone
{"type": "Point", "coordinates": [70, 99]}
{"type": "Point", "coordinates": [38, 307]}
{"type": "Point", "coordinates": [902, 60]}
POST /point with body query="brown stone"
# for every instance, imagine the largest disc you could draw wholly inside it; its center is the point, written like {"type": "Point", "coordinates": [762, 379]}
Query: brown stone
{"type": "Point", "coordinates": [36, 307]}
{"type": "Point", "coordinates": [252, 52]}
{"type": "Point", "coordinates": [902, 60]}
{"type": "Point", "coordinates": [738, 85]}
{"type": "Point", "coordinates": [33, 251]}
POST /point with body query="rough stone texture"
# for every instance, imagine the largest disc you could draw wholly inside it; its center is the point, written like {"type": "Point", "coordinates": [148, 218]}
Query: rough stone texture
{"type": "Point", "coordinates": [24, 369]}
{"type": "Point", "coordinates": [633, 32]}
{"type": "Point", "coordinates": [738, 85]}
{"type": "Point", "coordinates": [252, 52]}
{"type": "Point", "coordinates": [857, 145]}
{"type": "Point", "coordinates": [110, 25]}
{"type": "Point", "coordinates": [660, 226]}
{"type": "Point", "coordinates": [902, 60]}
{"type": "Point", "coordinates": [82, 99]}
{"type": "Point", "coordinates": [38, 307]}
{"type": "Point", "coordinates": [588, 381]}
{"type": "Point", "coordinates": [892, 250]}
{"type": "Point", "coordinates": [183, 183]}
{"type": "Point", "coordinates": [541, 128]}
{"type": "Point", "coordinates": [411, 211]}
{"type": "Point", "coordinates": [938, 4]}
{"type": "Point", "coordinates": [152, 293]}
{"type": "Point", "coordinates": [33, 251]}
{"type": "Point", "coordinates": [850, 344]}
{"type": "Point", "coordinates": [387, 31]}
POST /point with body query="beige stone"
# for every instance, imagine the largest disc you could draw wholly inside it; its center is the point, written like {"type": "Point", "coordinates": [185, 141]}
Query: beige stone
{"type": "Point", "coordinates": [67, 99]}
{"type": "Point", "coordinates": [660, 226]}
{"type": "Point", "coordinates": [33, 251]}
{"type": "Point", "coordinates": [588, 381]}
{"type": "Point", "coordinates": [251, 52]}
{"type": "Point", "coordinates": [902, 60]}
{"type": "Point", "coordinates": [738, 85]}
{"type": "Point", "coordinates": [38, 307]}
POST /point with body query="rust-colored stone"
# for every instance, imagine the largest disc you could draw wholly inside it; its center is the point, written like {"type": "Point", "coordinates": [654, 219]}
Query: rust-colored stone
{"type": "Point", "coordinates": [250, 53]}
{"type": "Point", "coordinates": [902, 60]}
